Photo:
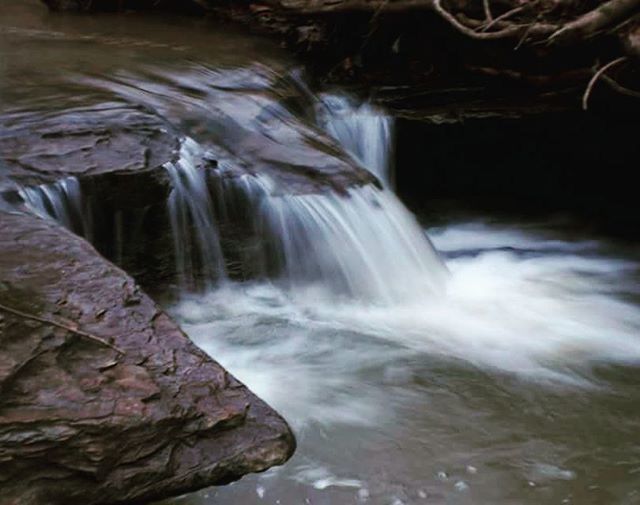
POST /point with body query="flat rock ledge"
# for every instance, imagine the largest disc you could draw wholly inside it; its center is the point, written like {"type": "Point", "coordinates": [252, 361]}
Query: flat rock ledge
{"type": "Point", "coordinates": [103, 399]}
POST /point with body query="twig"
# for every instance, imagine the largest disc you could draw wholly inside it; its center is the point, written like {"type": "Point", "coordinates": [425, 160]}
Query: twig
{"type": "Point", "coordinates": [487, 11]}
{"type": "Point", "coordinates": [539, 29]}
{"type": "Point", "coordinates": [51, 322]}
{"type": "Point", "coordinates": [503, 17]}
{"type": "Point", "coordinates": [596, 76]}
{"type": "Point", "coordinates": [450, 18]}
{"type": "Point", "coordinates": [525, 34]}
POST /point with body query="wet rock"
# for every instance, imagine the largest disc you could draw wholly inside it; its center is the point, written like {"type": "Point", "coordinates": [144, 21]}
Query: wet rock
{"type": "Point", "coordinates": [86, 141]}
{"type": "Point", "coordinates": [103, 398]}
{"type": "Point", "coordinates": [253, 120]}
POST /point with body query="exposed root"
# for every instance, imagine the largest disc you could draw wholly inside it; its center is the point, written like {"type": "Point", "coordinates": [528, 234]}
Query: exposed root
{"type": "Point", "coordinates": [487, 11]}
{"type": "Point", "coordinates": [594, 21]}
{"type": "Point", "coordinates": [503, 17]}
{"type": "Point", "coordinates": [596, 76]}
{"type": "Point", "coordinates": [507, 32]}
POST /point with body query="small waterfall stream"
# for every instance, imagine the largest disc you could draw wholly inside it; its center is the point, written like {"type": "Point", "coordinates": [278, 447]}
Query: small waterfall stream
{"type": "Point", "coordinates": [363, 244]}
{"type": "Point", "coordinates": [362, 130]}
{"type": "Point", "coordinates": [193, 223]}
{"type": "Point", "coordinates": [60, 200]}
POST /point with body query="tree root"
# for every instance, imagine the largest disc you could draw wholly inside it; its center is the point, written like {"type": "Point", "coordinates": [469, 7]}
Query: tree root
{"type": "Point", "coordinates": [595, 21]}
{"type": "Point", "coordinates": [596, 76]}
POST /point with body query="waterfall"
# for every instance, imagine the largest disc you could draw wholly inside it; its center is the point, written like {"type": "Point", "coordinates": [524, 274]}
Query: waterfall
{"type": "Point", "coordinates": [364, 245]}
{"type": "Point", "coordinates": [60, 200]}
{"type": "Point", "coordinates": [361, 243]}
{"type": "Point", "coordinates": [362, 130]}
{"type": "Point", "coordinates": [196, 240]}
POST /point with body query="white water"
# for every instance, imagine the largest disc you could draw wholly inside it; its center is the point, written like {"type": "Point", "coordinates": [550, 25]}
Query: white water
{"type": "Point", "coordinates": [193, 223]}
{"type": "Point", "coordinates": [361, 245]}
{"type": "Point", "coordinates": [548, 316]}
{"type": "Point", "coordinates": [364, 245]}
{"type": "Point", "coordinates": [362, 130]}
{"type": "Point", "coordinates": [517, 301]}
{"type": "Point", "coordinates": [60, 200]}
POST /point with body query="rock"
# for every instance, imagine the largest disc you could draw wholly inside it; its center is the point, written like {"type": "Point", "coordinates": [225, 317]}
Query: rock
{"type": "Point", "coordinates": [102, 138]}
{"type": "Point", "coordinates": [254, 120]}
{"type": "Point", "coordinates": [84, 423]}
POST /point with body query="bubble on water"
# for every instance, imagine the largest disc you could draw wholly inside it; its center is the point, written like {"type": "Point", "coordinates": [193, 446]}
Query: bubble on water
{"type": "Point", "coordinates": [442, 475]}
{"type": "Point", "coordinates": [552, 472]}
{"type": "Point", "coordinates": [461, 485]}
{"type": "Point", "coordinates": [423, 494]}
{"type": "Point", "coordinates": [472, 470]}
{"type": "Point", "coordinates": [397, 501]}
{"type": "Point", "coordinates": [260, 492]}
{"type": "Point", "coordinates": [363, 494]}
{"type": "Point", "coordinates": [320, 478]}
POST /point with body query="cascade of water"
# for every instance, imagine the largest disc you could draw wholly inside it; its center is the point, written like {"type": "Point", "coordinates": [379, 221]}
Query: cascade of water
{"type": "Point", "coordinates": [60, 200]}
{"type": "Point", "coordinates": [365, 245]}
{"type": "Point", "coordinates": [193, 223]}
{"type": "Point", "coordinates": [362, 130]}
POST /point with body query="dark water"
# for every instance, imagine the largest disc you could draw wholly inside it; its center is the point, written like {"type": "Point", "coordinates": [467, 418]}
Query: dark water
{"type": "Point", "coordinates": [517, 384]}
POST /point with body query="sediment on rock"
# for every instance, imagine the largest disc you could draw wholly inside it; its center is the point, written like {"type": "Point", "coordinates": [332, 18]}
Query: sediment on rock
{"type": "Point", "coordinates": [104, 399]}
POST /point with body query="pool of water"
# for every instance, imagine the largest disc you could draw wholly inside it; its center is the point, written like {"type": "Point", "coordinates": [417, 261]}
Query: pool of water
{"type": "Point", "coordinates": [518, 385]}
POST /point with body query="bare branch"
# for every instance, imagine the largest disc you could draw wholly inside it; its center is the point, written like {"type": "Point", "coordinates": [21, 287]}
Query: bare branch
{"type": "Point", "coordinates": [596, 76]}
{"type": "Point", "coordinates": [503, 17]}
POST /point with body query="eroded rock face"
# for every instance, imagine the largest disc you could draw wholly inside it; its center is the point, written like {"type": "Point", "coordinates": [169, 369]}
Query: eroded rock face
{"type": "Point", "coordinates": [88, 141]}
{"type": "Point", "coordinates": [84, 423]}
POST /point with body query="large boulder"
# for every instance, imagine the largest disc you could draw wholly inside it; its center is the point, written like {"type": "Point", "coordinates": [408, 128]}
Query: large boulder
{"type": "Point", "coordinates": [103, 399]}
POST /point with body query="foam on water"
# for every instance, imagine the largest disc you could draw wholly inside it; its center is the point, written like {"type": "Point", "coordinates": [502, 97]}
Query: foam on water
{"type": "Point", "coordinates": [546, 317]}
{"type": "Point", "coordinates": [364, 245]}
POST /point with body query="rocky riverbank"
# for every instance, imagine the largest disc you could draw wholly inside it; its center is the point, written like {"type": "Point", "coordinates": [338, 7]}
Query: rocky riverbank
{"type": "Point", "coordinates": [104, 399]}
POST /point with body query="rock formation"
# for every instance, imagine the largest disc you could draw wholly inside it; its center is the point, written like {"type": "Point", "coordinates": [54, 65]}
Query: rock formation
{"type": "Point", "coordinates": [103, 398]}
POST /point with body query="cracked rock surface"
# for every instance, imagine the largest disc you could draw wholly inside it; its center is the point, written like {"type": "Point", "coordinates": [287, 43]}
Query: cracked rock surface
{"type": "Point", "coordinates": [103, 399]}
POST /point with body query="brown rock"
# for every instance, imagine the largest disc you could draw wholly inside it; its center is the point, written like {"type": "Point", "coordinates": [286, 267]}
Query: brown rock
{"type": "Point", "coordinates": [84, 423]}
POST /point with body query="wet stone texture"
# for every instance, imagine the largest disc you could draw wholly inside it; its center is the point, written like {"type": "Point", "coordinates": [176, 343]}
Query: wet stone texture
{"type": "Point", "coordinates": [103, 399]}
{"type": "Point", "coordinates": [107, 137]}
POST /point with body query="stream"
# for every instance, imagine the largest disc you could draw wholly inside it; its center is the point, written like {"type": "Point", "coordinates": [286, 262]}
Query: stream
{"type": "Point", "coordinates": [427, 359]}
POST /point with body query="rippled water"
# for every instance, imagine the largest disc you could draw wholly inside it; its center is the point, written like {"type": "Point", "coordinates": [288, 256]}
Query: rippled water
{"type": "Point", "coordinates": [517, 384]}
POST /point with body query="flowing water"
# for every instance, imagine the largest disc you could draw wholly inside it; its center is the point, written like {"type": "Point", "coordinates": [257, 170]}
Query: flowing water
{"type": "Point", "coordinates": [362, 130]}
{"type": "Point", "coordinates": [476, 362]}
